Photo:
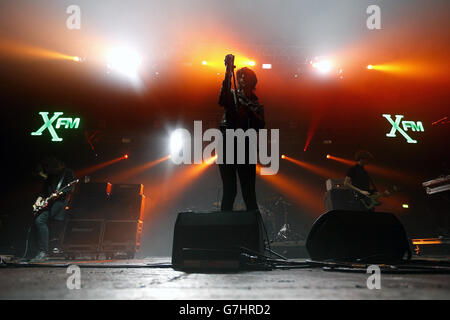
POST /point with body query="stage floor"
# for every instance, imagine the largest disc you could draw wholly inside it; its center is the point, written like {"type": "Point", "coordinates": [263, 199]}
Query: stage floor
{"type": "Point", "coordinates": [143, 279]}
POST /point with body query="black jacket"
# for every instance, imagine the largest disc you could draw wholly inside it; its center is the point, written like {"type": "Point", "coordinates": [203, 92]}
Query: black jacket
{"type": "Point", "coordinates": [52, 181]}
{"type": "Point", "coordinates": [240, 111]}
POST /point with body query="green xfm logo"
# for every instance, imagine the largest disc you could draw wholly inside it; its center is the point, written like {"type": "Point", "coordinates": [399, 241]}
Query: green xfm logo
{"type": "Point", "coordinates": [67, 123]}
{"type": "Point", "coordinates": [414, 126]}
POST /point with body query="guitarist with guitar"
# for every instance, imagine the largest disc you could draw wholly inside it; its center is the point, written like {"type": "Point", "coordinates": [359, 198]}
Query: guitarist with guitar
{"type": "Point", "coordinates": [52, 200]}
{"type": "Point", "coordinates": [359, 181]}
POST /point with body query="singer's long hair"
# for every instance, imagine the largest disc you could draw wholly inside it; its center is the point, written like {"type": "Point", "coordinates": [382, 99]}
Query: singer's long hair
{"type": "Point", "coordinates": [51, 165]}
{"type": "Point", "coordinates": [250, 76]}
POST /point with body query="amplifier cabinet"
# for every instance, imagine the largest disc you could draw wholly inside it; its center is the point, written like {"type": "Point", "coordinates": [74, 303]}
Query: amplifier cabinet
{"type": "Point", "coordinates": [82, 235]}
{"type": "Point", "coordinates": [125, 190]}
{"type": "Point", "coordinates": [122, 236]}
{"type": "Point", "coordinates": [342, 199]}
{"type": "Point", "coordinates": [125, 208]}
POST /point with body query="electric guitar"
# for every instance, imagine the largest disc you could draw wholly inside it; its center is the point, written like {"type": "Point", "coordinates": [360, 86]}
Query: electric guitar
{"type": "Point", "coordinates": [372, 200]}
{"type": "Point", "coordinates": [45, 203]}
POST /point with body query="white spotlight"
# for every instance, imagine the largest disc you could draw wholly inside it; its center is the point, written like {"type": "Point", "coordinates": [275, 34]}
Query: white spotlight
{"type": "Point", "coordinates": [267, 66]}
{"type": "Point", "coordinates": [124, 61]}
{"type": "Point", "coordinates": [323, 66]}
{"type": "Point", "coordinates": [176, 142]}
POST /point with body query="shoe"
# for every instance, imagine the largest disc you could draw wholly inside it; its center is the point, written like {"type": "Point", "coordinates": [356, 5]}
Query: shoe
{"type": "Point", "coordinates": [41, 256]}
{"type": "Point", "coordinates": [56, 251]}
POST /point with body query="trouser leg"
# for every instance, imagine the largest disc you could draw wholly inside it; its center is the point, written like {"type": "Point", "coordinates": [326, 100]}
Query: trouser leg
{"type": "Point", "coordinates": [41, 223]}
{"type": "Point", "coordinates": [56, 221]}
{"type": "Point", "coordinates": [228, 174]}
{"type": "Point", "coordinates": [247, 177]}
{"type": "Point", "coordinates": [57, 211]}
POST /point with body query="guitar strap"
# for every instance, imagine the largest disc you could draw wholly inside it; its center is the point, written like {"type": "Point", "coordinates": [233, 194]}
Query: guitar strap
{"type": "Point", "coordinates": [373, 184]}
{"type": "Point", "coordinates": [61, 180]}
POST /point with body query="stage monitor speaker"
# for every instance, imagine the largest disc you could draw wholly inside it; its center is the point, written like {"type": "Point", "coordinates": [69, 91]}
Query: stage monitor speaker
{"type": "Point", "coordinates": [376, 237]}
{"type": "Point", "coordinates": [213, 240]}
{"type": "Point", "coordinates": [342, 199]}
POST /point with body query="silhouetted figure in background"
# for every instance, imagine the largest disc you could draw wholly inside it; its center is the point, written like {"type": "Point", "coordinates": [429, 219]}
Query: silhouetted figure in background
{"type": "Point", "coordinates": [357, 177]}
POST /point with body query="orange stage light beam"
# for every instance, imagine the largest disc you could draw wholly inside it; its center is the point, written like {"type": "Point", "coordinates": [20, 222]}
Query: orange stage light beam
{"type": "Point", "coordinates": [399, 176]}
{"type": "Point", "coordinates": [407, 68]}
{"type": "Point", "coordinates": [166, 190]}
{"type": "Point", "coordinates": [302, 195]}
{"type": "Point", "coordinates": [386, 172]}
{"type": "Point", "coordinates": [325, 173]}
{"type": "Point", "coordinates": [186, 176]}
{"type": "Point", "coordinates": [212, 57]}
{"type": "Point", "coordinates": [426, 241]}
{"type": "Point", "coordinates": [139, 169]}
{"type": "Point", "coordinates": [23, 50]}
{"type": "Point", "coordinates": [89, 170]}
{"type": "Point", "coordinates": [341, 160]}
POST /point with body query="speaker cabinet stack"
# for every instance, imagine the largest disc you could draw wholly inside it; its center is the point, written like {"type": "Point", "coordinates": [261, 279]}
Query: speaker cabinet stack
{"type": "Point", "coordinates": [90, 201]}
{"type": "Point", "coordinates": [82, 236]}
{"type": "Point", "coordinates": [105, 219]}
{"type": "Point", "coordinates": [122, 236]}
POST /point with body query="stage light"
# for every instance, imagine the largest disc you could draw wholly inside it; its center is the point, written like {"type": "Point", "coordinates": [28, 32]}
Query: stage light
{"type": "Point", "coordinates": [204, 62]}
{"type": "Point", "coordinates": [405, 206]}
{"type": "Point", "coordinates": [320, 171]}
{"type": "Point", "coordinates": [323, 66]}
{"type": "Point", "coordinates": [176, 142]}
{"type": "Point", "coordinates": [125, 156]}
{"type": "Point", "coordinates": [342, 160]}
{"type": "Point", "coordinates": [132, 172]}
{"type": "Point", "coordinates": [283, 156]}
{"type": "Point", "coordinates": [301, 193]}
{"type": "Point", "coordinates": [267, 66]}
{"type": "Point", "coordinates": [409, 68]}
{"type": "Point", "coordinates": [407, 177]}
{"type": "Point", "coordinates": [251, 63]}
{"type": "Point", "coordinates": [18, 49]}
{"type": "Point", "coordinates": [124, 61]}
{"type": "Point", "coordinates": [76, 59]}
{"type": "Point", "coordinates": [94, 168]}
{"type": "Point", "coordinates": [210, 160]}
